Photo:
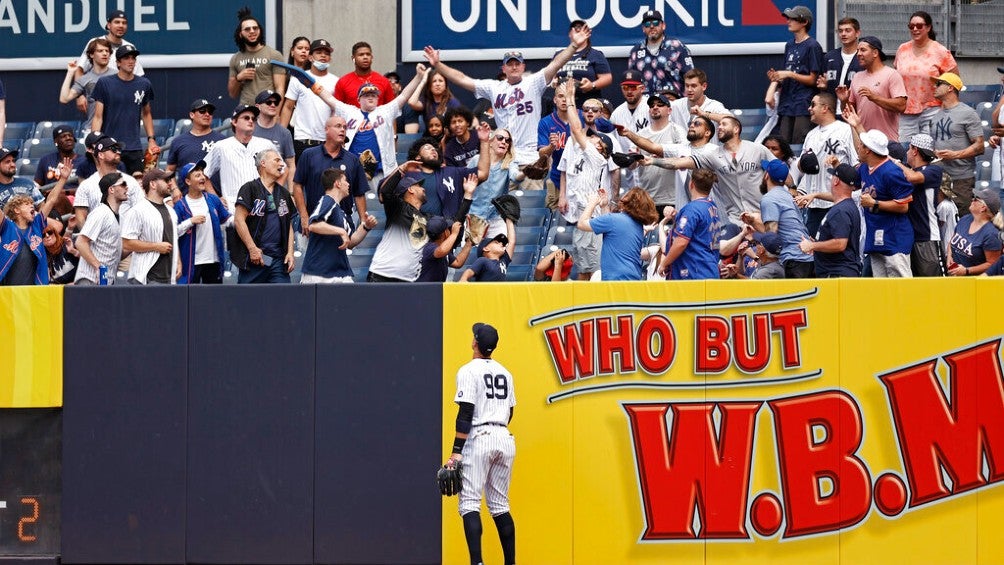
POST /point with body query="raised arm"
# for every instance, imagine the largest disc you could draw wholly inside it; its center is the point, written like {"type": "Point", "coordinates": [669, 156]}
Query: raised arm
{"type": "Point", "coordinates": [572, 115]}
{"type": "Point", "coordinates": [64, 173]}
{"type": "Point", "coordinates": [453, 76]}
{"type": "Point", "coordinates": [579, 38]}
{"type": "Point", "coordinates": [421, 73]}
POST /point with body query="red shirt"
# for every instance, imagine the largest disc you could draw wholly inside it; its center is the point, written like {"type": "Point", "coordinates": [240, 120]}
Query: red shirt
{"type": "Point", "coordinates": [347, 88]}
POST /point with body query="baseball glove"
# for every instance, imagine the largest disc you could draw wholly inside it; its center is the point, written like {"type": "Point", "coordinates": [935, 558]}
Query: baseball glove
{"type": "Point", "coordinates": [538, 169]}
{"type": "Point", "coordinates": [508, 207]}
{"type": "Point", "coordinates": [450, 480]}
{"type": "Point", "coordinates": [476, 228]}
{"type": "Point", "coordinates": [369, 163]}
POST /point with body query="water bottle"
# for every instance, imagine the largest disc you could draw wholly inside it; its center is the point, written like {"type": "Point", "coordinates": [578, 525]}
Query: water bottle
{"type": "Point", "coordinates": [103, 275]}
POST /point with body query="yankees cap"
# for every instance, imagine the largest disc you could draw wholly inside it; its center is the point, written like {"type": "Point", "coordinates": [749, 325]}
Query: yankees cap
{"type": "Point", "coordinates": [116, 14]}
{"type": "Point", "coordinates": [126, 50]}
{"type": "Point", "coordinates": [6, 152]}
{"type": "Point", "coordinates": [486, 336]}
{"type": "Point", "coordinates": [320, 44]}
{"type": "Point", "coordinates": [200, 104]}
{"type": "Point", "coordinates": [264, 95]}
{"type": "Point", "coordinates": [60, 130]}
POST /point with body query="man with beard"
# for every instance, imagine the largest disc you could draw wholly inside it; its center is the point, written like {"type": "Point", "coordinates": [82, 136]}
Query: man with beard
{"type": "Point", "coordinates": [398, 256]}
{"type": "Point", "coordinates": [700, 132]}
{"type": "Point", "coordinates": [737, 164]}
{"type": "Point", "coordinates": [150, 233]}
{"type": "Point", "coordinates": [47, 170]}
{"type": "Point", "coordinates": [100, 240]}
{"type": "Point", "coordinates": [661, 60]}
{"type": "Point", "coordinates": [250, 70]}
{"type": "Point", "coordinates": [443, 184]}
{"type": "Point", "coordinates": [631, 115]}
{"type": "Point", "coordinates": [876, 92]}
{"type": "Point", "coordinates": [10, 184]}
{"type": "Point", "coordinates": [107, 156]}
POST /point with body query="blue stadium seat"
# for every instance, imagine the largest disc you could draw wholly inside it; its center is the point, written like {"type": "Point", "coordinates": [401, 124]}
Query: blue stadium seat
{"type": "Point", "coordinates": [518, 273]}
{"type": "Point", "coordinates": [535, 217]}
{"type": "Point", "coordinates": [26, 167]}
{"type": "Point", "coordinates": [19, 130]}
{"type": "Point", "coordinates": [530, 235]}
{"type": "Point", "coordinates": [404, 141]}
{"type": "Point", "coordinates": [163, 128]}
{"type": "Point", "coordinates": [985, 109]}
{"type": "Point", "coordinates": [974, 95]}
{"type": "Point", "coordinates": [181, 126]}
{"type": "Point", "coordinates": [14, 144]}
{"type": "Point", "coordinates": [43, 130]}
{"type": "Point", "coordinates": [372, 239]}
{"type": "Point", "coordinates": [35, 148]}
{"type": "Point", "coordinates": [530, 198]}
{"type": "Point", "coordinates": [560, 236]}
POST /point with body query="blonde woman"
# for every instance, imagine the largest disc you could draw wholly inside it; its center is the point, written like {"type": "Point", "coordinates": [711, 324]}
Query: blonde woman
{"type": "Point", "coordinates": [502, 171]}
{"type": "Point", "coordinates": [976, 244]}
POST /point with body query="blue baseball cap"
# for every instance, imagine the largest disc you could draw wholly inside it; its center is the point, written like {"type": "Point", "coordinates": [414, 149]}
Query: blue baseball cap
{"type": "Point", "coordinates": [186, 170]}
{"type": "Point", "coordinates": [770, 241]}
{"type": "Point", "coordinates": [775, 169]}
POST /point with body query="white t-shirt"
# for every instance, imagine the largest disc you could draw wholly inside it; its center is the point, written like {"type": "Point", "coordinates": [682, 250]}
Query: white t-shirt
{"type": "Point", "coordinates": [103, 231]}
{"type": "Point", "coordinates": [487, 385]}
{"type": "Point", "coordinates": [517, 108]}
{"type": "Point", "coordinates": [89, 193]}
{"type": "Point", "coordinates": [634, 120]}
{"type": "Point", "coordinates": [680, 111]}
{"type": "Point", "coordinates": [660, 183]}
{"type": "Point", "coordinates": [205, 240]}
{"type": "Point", "coordinates": [311, 112]}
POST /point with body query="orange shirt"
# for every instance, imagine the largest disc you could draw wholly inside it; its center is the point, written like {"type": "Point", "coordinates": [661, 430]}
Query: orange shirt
{"type": "Point", "coordinates": [917, 71]}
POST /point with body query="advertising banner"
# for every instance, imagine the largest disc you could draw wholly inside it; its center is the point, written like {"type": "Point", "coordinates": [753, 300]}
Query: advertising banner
{"type": "Point", "coordinates": [46, 34]}
{"type": "Point", "coordinates": [790, 422]}
{"type": "Point", "coordinates": [31, 324]}
{"type": "Point", "coordinates": [485, 29]}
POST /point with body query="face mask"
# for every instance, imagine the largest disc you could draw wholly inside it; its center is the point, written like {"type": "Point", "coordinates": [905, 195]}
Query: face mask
{"type": "Point", "coordinates": [320, 66]}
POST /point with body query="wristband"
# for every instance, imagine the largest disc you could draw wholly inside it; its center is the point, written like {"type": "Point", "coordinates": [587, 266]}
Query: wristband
{"type": "Point", "coordinates": [150, 137]}
{"type": "Point", "coordinates": [365, 228]}
{"type": "Point", "coordinates": [458, 444]}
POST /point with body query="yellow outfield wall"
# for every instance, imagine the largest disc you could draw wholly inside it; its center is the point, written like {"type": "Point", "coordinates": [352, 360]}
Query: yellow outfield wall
{"type": "Point", "coordinates": [31, 324]}
{"type": "Point", "coordinates": [823, 421]}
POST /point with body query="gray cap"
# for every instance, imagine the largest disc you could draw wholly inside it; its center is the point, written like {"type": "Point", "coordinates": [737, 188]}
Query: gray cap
{"type": "Point", "coordinates": [799, 13]}
{"type": "Point", "coordinates": [990, 197]}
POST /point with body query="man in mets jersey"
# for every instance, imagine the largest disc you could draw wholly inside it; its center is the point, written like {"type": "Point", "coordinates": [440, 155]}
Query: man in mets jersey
{"type": "Point", "coordinates": [486, 398]}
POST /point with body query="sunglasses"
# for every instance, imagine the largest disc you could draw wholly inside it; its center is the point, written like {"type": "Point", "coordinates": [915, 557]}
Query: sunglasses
{"type": "Point", "coordinates": [503, 138]}
{"type": "Point", "coordinates": [251, 28]}
{"type": "Point", "coordinates": [938, 83]}
{"type": "Point", "coordinates": [591, 109]}
{"type": "Point", "coordinates": [204, 111]}
{"type": "Point", "coordinates": [916, 26]}
{"type": "Point", "coordinates": [47, 233]}
{"type": "Point", "coordinates": [271, 102]}
{"type": "Point", "coordinates": [115, 149]}
{"type": "Point", "coordinates": [650, 23]}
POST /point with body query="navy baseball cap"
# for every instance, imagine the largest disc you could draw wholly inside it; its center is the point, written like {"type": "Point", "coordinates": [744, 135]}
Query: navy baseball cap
{"type": "Point", "coordinates": [407, 182]}
{"type": "Point", "coordinates": [775, 169]}
{"type": "Point", "coordinates": [652, 16]}
{"type": "Point", "coordinates": [509, 56]}
{"type": "Point", "coordinates": [7, 152]}
{"type": "Point", "coordinates": [92, 138]}
{"type": "Point", "coordinates": [114, 14]}
{"type": "Point", "coordinates": [847, 174]}
{"type": "Point", "coordinates": [631, 77]}
{"type": "Point", "coordinates": [200, 104]}
{"type": "Point", "coordinates": [876, 44]}
{"type": "Point", "coordinates": [486, 336]}
{"type": "Point", "coordinates": [126, 50]}
{"type": "Point", "coordinates": [241, 108]}
{"type": "Point", "coordinates": [105, 143]}
{"type": "Point", "coordinates": [770, 241]}
{"type": "Point", "coordinates": [265, 95]}
{"type": "Point", "coordinates": [436, 226]}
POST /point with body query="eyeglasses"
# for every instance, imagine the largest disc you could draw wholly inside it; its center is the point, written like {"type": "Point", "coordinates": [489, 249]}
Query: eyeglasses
{"type": "Point", "coordinates": [650, 23]}
{"type": "Point", "coordinates": [251, 28]}
{"type": "Point", "coordinates": [591, 109]}
{"type": "Point", "coordinates": [271, 102]}
{"type": "Point", "coordinates": [916, 26]}
{"type": "Point", "coordinates": [503, 138]}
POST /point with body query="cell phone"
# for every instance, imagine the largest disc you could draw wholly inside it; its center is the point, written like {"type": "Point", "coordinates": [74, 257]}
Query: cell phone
{"type": "Point", "coordinates": [266, 260]}
{"type": "Point", "coordinates": [249, 65]}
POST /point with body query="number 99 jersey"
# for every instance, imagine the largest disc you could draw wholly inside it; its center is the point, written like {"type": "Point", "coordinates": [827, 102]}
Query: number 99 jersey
{"type": "Point", "coordinates": [487, 385]}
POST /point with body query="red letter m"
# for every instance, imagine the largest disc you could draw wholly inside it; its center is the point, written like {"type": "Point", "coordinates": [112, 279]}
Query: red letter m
{"type": "Point", "coordinates": [953, 433]}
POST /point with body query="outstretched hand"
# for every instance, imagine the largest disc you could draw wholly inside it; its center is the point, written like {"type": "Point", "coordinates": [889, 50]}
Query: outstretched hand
{"type": "Point", "coordinates": [431, 55]}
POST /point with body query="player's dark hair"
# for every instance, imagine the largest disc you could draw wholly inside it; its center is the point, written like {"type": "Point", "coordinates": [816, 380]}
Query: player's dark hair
{"type": "Point", "coordinates": [703, 180]}
{"type": "Point", "coordinates": [243, 15]}
{"type": "Point", "coordinates": [330, 176]}
{"type": "Point", "coordinates": [359, 45]}
{"type": "Point", "coordinates": [708, 123]}
{"type": "Point", "coordinates": [829, 100]}
{"type": "Point", "coordinates": [853, 22]}
{"type": "Point", "coordinates": [739, 125]}
{"type": "Point", "coordinates": [927, 21]}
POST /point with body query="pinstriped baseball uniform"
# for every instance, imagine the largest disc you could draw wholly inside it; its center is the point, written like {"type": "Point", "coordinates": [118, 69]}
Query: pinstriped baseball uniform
{"type": "Point", "coordinates": [490, 448]}
{"type": "Point", "coordinates": [235, 163]}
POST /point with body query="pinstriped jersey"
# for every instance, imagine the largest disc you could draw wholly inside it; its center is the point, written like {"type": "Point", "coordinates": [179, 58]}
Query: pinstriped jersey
{"type": "Point", "coordinates": [487, 385]}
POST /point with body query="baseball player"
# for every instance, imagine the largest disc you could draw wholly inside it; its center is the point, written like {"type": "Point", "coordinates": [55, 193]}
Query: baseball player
{"type": "Point", "coordinates": [486, 398]}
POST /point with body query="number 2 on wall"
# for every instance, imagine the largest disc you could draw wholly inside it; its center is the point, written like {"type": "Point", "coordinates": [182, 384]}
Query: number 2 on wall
{"type": "Point", "coordinates": [497, 386]}
{"type": "Point", "coordinates": [33, 503]}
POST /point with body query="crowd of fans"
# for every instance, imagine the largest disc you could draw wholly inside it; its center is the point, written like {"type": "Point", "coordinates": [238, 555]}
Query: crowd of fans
{"type": "Point", "coordinates": [863, 169]}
